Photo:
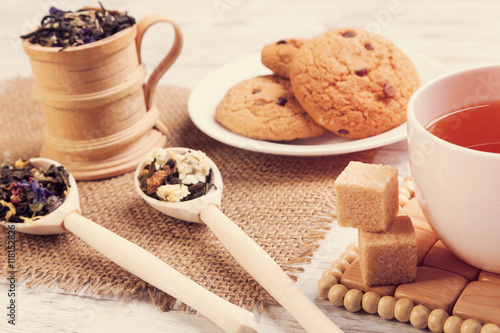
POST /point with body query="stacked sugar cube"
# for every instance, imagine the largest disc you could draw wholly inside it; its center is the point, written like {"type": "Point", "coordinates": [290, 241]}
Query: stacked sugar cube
{"type": "Point", "coordinates": [367, 199]}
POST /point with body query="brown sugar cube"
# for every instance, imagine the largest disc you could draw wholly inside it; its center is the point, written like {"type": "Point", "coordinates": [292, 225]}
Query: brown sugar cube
{"type": "Point", "coordinates": [425, 241]}
{"type": "Point", "coordinates": [440, 257]}
{"type": "Point", "coordinates": [489, 277]}
{"type": "Point", "coordinates": [352, 279]}
{"type": "Point", "coordinates": [434, 288]}
{"type": "Point", "coordinates": [481, 301]}
{"type": "Point", "coordinates": [413, 210]}
{"type": "Point", "coordinates": [367, 196]}
{"type": "Point", "coordinates": [389, 257]}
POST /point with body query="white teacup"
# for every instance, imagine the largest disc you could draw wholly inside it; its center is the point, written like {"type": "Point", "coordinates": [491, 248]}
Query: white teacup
{"type": "Point", "coordinates": [458, 188]}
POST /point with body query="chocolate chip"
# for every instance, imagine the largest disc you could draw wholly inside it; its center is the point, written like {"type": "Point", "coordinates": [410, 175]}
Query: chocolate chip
{"type": "Point", "coordinates": [281, 42]}
{"type": "Point", "coordinates": [361, 72]}
{"type": "Point", "coordinates": [349, 34]}
{"type": "Point", "coordinates": [256, 91]}
{"type": "Point", "coordinates": [369, 47]}
{"type": "Point", "coordinates": [343, 132]}
{"type": "Point", "coordinates": [281, 101]}
{"type": "Point", "coordinates": [389, 90]}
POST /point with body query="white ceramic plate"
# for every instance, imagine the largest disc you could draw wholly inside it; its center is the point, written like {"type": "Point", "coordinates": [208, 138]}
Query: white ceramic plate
{"type": "Point", "coordinates": [210, 91]}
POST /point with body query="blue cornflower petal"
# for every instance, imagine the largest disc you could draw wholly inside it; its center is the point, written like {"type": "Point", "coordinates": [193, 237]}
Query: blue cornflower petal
{"type": "Point", "coordinates": [35, 188]}
{"type": "Point", "coordinates": [23, 183]}
{"type": "Point", "coordinates": [54, 10]}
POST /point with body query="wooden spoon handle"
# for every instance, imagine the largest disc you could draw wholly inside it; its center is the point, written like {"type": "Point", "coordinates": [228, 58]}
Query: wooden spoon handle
{"type": "Point", "coordinates": [169, 59]}
{"type": "Point", "coordinates": [266, 271]}
{"type": "Point", "coordinates": [136, 260]}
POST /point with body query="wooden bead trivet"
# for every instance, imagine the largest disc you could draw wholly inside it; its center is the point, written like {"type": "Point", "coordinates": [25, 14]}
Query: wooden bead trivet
{"type": "Point", "coordinates": [381, 300]}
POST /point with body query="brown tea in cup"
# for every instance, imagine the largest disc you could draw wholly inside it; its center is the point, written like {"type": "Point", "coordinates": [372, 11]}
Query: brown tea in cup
{"type": "Point", "coordinates": [475, 127]}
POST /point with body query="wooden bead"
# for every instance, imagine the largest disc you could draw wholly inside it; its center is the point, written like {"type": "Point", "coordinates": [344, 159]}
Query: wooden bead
{"type": "Point", "coordinates": [452, 324]}
{"type": "Point", "coordinates": [404, 192]}
{"type": "Point", "coordinates": [470, 326]}
{"type": "Point", "coordinates": [402, 309]}
{"type": "Point", "coordinates": [353, 246]}
{"type": "Point", "coordinates": [352, 300]}
{"type": "Point", "coordinates": [370, 302]}
{"type": "Point", "coordinates": [490, 328]}
{"type": "Point", "coordinates": [332, 271]}
{"type": "Point", "coordinates": [341, 264]}
{"type": "Point", "coordinates": [436, 320]}
{"type": "Point", "coordinates": [324, 285]}
{"type": "Point", "coordinates": [402, 200]}
{"type": "Point", "coordinates": [386, 307]}
{"type": "Point", "coordinates": [408, 185]}
{"type": "Point", "coordinates": [349, 255]}
{"type": "Point", "coordinates": [419, 316]}
{"type": "Point", "coordinates": [336, 294]}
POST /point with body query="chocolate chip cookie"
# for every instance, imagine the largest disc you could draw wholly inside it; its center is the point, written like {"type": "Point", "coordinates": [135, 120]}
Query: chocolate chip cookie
{"type": "Point", "coordinates": [277, 56]}
{"type": "Point", "coordinates": [353, 82]}
{"type": "Point", "coordinates": [265, 108]}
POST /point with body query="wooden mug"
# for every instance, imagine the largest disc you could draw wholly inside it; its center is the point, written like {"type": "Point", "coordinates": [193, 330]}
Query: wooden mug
{"type": "Point", "coordinates": [95, 99]}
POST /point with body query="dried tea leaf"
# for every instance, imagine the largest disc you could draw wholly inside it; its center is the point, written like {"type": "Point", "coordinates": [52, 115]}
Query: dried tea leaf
{"type": "Point", "coordinates": [87, 25]}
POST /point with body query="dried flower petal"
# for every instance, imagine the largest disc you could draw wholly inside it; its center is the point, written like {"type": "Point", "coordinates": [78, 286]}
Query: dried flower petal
{"type": "Point", "coordinates": [159, 155]}
{"type": "Point", "coordinates": [193, 167]}
{"type": "Point", "coordinates": [172, 193]}
{"type": "Point", "coordinates": [54, 11]}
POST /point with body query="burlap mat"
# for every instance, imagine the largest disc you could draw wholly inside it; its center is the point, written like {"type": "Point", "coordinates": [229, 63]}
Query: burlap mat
{"type": "Point", "coordinates": [283, 203]}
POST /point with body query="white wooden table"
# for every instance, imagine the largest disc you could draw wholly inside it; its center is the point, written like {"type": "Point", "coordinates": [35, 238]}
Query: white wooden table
{"type": "Point", "coordinates": [457, 34]}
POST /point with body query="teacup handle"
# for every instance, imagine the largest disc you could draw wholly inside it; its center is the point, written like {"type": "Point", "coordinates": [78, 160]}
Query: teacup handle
{"type": "Point", "coordinates": [169, 59]}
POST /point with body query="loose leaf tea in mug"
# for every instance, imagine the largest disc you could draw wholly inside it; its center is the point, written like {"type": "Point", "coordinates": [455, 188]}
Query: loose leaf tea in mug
{"type": "Point", "coordinates": [28, 193]}
{"type": "Point", "coordinates": [87, 25]}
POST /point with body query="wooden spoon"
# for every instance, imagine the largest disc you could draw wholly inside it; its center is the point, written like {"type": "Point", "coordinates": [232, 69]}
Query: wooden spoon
{"type": "Point", "coordinates": [245, 250]}
{"type": "Point", "coordinates": [136, 260]}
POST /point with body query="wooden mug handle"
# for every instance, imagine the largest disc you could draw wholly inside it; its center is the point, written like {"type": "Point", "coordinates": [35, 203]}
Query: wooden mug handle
{"type": "Point", "coordinates": [169, 59]}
